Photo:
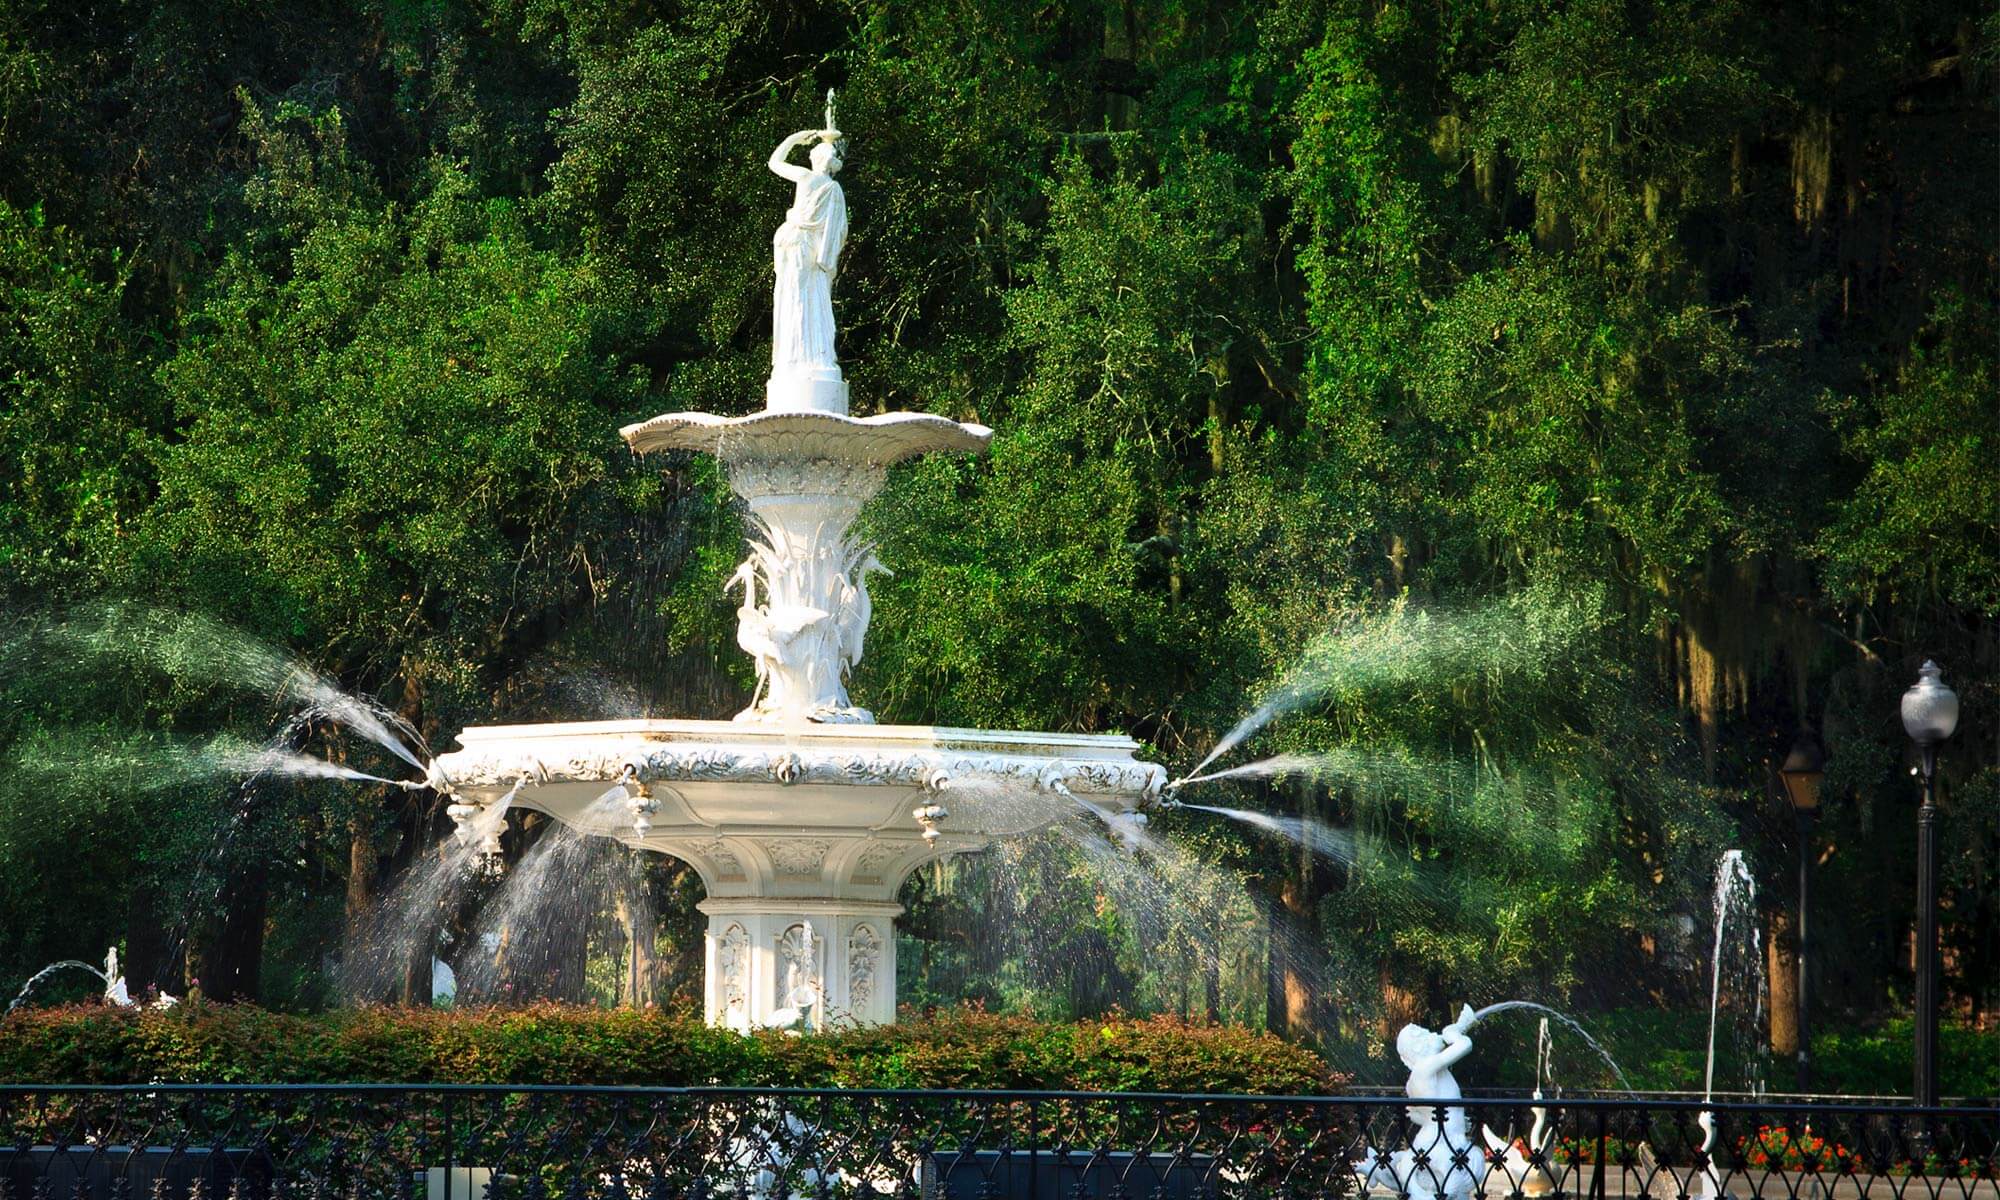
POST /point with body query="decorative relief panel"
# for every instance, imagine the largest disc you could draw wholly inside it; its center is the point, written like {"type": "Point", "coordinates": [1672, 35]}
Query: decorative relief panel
{"type": "Point", "coordinates": [864, 959]}
{"type": "Point", "coordinates": [875, 858]}
{"type": "Point", "coordinates": [727, 866]}
{"type": "Point", "coordinates": [798, 857]}
{"type": "Point", "coordinates": [732, 966]}
{"type": "Point", "coordinates": [853, 481]}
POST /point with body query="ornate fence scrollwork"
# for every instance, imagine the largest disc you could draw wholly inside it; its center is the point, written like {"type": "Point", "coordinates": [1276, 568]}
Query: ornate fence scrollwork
{"type": "Point", "coordinates": [204, 1142]}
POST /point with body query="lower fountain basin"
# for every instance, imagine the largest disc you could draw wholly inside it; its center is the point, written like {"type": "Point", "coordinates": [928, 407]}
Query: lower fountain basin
{"type": "Point", "coordinates": [802, 833]}
{"type": "Point", "coordinates": [798, 810]}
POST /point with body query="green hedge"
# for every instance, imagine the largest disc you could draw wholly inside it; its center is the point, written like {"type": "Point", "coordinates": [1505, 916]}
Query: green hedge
{"type": "Point", "coordinates": [561, 1044]}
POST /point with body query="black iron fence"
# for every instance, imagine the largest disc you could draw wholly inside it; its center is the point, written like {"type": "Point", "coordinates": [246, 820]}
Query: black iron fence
{"type": "Point", "coordinates": [495, 1143]}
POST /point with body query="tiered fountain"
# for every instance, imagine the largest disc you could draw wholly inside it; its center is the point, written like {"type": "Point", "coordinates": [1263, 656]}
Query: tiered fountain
{"type": "Point", "coordinates": [802, 815]}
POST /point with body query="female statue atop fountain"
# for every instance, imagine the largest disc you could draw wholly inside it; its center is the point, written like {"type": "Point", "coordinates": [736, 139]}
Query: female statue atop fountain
{"type": "Point", "coordinates": [806, 252]}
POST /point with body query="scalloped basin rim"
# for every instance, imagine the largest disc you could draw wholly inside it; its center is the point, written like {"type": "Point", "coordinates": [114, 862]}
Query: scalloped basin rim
{"type": "Point", "coordinates": [795, 759]}
{"type": "Point", "coordinates": [908, 433]}
{"type": "Point", "coordinates": [803, 735]}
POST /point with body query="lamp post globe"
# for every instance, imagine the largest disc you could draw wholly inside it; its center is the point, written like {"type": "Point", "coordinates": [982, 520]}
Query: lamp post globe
{"type": "Point", "coordinates": [1930, 709]}
{"type": "Point", "coordinates": [1801, 773]}
{"type": "Point", "coordinates": [1930, 715]}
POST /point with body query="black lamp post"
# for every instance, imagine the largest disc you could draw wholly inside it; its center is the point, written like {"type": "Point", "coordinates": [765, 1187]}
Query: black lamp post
{"type": "Point", "coordinates": [1801, 775]}
{"type": "Point", "coordinates": [1930, 714]}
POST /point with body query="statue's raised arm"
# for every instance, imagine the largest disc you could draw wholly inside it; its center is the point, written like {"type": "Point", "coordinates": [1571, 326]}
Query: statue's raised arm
{"type": "Point", "coordinates": [779, 164]}
{"type": "Point", "coordinates": [1431, 1056]}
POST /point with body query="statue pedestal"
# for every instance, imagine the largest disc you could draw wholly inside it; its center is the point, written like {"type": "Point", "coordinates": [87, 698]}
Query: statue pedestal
{"type": "Point", "coordinates": [819, 389]}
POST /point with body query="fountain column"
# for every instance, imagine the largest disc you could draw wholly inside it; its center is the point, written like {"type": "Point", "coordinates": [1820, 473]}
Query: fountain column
{"type": "Point", "coordinates": [836, 957]}
{"type": "Point", "coordinates": [802, 919]}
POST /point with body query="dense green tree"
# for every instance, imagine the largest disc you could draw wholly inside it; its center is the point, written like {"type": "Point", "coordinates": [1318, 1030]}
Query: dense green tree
{"type": "Point", "coordinates": [76, 404]}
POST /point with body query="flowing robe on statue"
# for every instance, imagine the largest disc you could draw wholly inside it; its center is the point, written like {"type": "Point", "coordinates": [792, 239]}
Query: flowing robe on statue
{"type": "Point", "coordinates": [806, 251]}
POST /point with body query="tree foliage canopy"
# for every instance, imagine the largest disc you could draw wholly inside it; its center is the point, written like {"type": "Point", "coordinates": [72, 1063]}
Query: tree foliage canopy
{"type": "Point", "coordinates": [1566, 402]}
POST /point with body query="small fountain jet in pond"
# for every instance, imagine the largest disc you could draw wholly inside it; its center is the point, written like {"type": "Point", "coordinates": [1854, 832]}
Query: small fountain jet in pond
{"type": "Point", "coordinates": [115, 992]}
{"type": "Point", "coordinates": [1521, 1166]}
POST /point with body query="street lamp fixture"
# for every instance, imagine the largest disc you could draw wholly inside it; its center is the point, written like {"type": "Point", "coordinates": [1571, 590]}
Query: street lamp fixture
{"type": "Point", "coordinates": [1930, 709]}
{"type": "Point", "coordinates": [1930, 715]}
{"type": "Point", "coordinates": [1803, 769]}
{"type": "Point", "coordinates": [1801, 774]}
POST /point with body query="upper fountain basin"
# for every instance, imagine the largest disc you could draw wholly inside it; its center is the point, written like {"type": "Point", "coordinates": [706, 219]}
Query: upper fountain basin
{"type": "Point", "coordinates": [877, 441]}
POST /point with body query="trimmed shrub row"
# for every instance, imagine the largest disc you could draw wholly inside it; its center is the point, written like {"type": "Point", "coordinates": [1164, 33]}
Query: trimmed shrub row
{"type": "Point", "coordinates": [551, 1043]}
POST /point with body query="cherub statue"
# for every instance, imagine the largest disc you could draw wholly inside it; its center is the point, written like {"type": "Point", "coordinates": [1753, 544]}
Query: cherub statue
{"type": "Point", "coordinates": [1441, 1159]}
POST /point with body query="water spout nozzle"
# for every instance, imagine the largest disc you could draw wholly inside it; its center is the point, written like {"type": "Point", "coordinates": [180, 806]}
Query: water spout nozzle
{"type": "Point", "coordinates": [928, 816]}
{"type": "Point", "coordinates": [492, 859]}
{"type": "Point", "coordinates": [1130, 829]}
{"type": "Point", "coordinates": [641, 804]}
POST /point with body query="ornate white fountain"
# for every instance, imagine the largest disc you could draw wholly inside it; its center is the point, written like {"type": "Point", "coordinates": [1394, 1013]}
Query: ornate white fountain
{"type": "Point", "coordinates": [802, 815]}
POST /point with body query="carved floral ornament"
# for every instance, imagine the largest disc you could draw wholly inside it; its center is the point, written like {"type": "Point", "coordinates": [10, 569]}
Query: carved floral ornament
{"type": "Point", "coordinates": [853, 483]}
{"type": "Point", "coordinates": [864, 957]}
{"type": "Point", "coordinates": [732, 963]}
{"type": "Point", "coordinates": [728, 867]}
{"type": "Point", "coordinates": [798, 857]}
{"type": "Point", "coordinates": [876, 856]}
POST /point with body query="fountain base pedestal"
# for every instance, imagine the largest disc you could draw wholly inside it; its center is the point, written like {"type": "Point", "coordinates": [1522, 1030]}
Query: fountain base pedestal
{"type": "Point", "coordinates": [833, 960]}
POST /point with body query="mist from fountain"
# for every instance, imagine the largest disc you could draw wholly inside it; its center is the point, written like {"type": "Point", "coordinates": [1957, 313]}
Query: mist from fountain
{"type": "Point", "coordinates": [1408, 642]}
{"type": "Point", "coordinates": [1407, 648]}
{"type": "Point", "coordinates": [1378, 770]}
{"type": "Point", "coordinates": [528, 935]}
{"type": "Point", "coordinates": [404, 922]}
{"type": "Point", "coordinates": [1317, 836]}
{"type": "Point", "coordinates": [1198, 918]}
{"type": "Point", "coordinates": [158, 762]}
{"type": "Point", "coordinates": [1522, 634]}
{"type": "Point", "coordinates": [197, 650]}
